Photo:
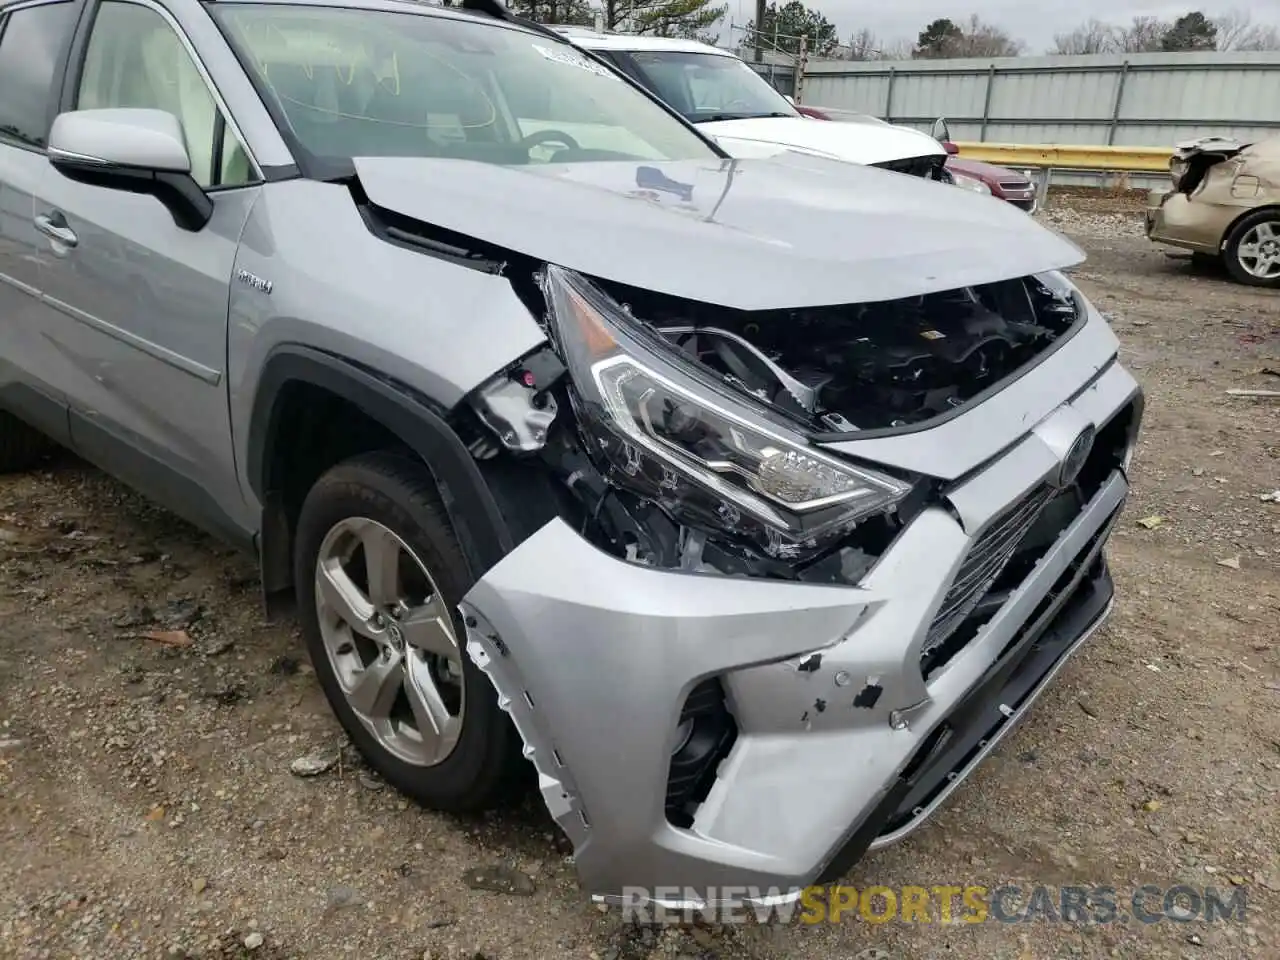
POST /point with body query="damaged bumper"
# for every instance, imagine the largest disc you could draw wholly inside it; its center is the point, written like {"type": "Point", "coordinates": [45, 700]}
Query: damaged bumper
{"type": "Point", "coordinates": [848, 725]}
{"type": "Point", "coordinates": [1177, 220]}
{"type": "Point", "coordinates": [1155, 200]}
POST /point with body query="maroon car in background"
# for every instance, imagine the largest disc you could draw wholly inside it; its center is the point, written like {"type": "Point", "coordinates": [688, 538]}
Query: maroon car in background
{"type": "Point", "coordinates": [1003, 183]}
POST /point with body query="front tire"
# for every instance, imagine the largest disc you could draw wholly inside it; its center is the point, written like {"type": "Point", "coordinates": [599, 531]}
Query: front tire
{"type": "Point", "coordinates": [379, 576]}
{"type": "Point", "coordinates": [1252, 250]}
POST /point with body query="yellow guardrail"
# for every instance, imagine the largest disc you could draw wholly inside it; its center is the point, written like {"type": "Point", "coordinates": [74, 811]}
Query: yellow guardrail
{"type": "Point", "coordinates": [1070, 156]}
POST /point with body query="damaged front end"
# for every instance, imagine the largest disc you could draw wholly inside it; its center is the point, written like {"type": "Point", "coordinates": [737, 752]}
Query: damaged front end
{"type": "Point", "coordinates": [833, 552]}
{"type": "Point", "coordinates": [695, 437]}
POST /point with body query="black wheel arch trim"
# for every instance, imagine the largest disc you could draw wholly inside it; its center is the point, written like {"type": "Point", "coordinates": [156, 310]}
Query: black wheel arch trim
{"type": "Point", "coordinates": [412, 417]}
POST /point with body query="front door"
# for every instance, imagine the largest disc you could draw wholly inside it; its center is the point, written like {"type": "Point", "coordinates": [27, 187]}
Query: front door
{"type": "Point", "coordinates": [32, 36]}
{"type": "Point", "coordinates": [143, 302]}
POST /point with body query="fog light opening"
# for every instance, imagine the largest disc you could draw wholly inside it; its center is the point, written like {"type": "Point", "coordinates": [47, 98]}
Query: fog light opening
{"type": "Point", "coordinates": [704, 735]}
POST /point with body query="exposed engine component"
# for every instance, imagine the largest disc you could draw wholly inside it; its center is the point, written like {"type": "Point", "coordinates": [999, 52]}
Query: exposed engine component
{"type": "Point", "coordinates": [833, 369]}
{"type": "Point", "coordinates": [749, 364]}
{"type": "Point", "coordinates": [875, 365]}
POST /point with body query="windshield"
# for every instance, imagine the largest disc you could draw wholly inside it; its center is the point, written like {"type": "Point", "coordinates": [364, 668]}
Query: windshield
{"type": "Point", "coordinates": [706, 86]}
{"type": "Point", "coordinates": [351, 83]}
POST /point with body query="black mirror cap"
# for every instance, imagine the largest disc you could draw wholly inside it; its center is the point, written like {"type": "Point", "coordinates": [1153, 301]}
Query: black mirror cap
{"type": "Point", "coordinates": [190, 207]}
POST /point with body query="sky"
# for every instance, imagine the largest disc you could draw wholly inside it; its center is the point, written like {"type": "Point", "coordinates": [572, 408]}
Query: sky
{"type": "Point", "coordinates": [1033, 21]}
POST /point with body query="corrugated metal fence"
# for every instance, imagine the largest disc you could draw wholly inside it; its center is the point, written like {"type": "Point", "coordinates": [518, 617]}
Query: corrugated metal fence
{"type": "Point", "coordinates": [1146, 99]}
{"type": "Point", "coordinates": [778, 69]}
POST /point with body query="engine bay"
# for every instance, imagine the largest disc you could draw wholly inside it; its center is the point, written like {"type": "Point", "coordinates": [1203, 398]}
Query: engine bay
{"type": "Point", "coordinates": [829, 371]}
{"type": "Point", "coordinates": [872, 365]}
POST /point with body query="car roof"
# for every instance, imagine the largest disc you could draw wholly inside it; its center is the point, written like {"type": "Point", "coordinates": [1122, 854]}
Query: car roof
{"type": "Point", "coordinates": [422, 7]}
{"type": "Point", "coordinates": [592, 40]}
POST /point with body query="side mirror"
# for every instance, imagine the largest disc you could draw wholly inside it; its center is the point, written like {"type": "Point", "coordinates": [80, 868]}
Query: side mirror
{"type": "Point", "coordinates": [950, 147]}
{"type": "Point", "coordinates": [790, 99]}
{"type": "Point", "coordinates": [941, 132]}
{"type": "Point", "coordinates": [137, 151]}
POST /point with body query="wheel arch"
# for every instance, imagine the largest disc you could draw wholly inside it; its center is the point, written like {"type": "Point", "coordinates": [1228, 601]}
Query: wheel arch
{"type": "Point", "coordinates": [413, 420]}
{"type": "Point", "coordinates": [1231, 227]}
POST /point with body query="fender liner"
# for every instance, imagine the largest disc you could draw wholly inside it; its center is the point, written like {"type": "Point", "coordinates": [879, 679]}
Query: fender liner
{"type": "Point", "coordinates": [472, 509]}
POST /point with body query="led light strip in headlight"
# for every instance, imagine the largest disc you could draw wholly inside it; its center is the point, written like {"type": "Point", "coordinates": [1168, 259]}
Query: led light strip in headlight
{"type": "Point", "coordinates": [708, 455]}
{"type": "Point", "coordinates": [802, 480]}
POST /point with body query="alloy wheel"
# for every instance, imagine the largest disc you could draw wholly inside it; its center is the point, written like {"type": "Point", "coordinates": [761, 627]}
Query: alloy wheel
{"type": "Point", "coordinates": [1259, 250]}
{"type": "Point", "coordinates": [391, 641]}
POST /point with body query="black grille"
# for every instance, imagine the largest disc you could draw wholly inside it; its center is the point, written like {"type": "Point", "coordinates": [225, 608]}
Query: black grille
{"type": "Point", "coordinates": [986, 558]}
{"type": "Point", "coordinates": [1007, 553]}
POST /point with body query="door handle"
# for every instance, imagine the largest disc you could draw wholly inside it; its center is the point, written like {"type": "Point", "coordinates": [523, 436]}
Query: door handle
{"type": "Point", "coordinates": [54, 226]}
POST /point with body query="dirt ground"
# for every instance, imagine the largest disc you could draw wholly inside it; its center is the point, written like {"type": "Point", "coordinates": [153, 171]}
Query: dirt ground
{"type": "Point", "coordinates": [147, 808]}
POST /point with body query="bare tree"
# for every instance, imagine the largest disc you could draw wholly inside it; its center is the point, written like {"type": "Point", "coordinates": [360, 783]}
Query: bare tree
{"type": "Point", "coordinates": [896, 50]}
{"type": "Point", "coordinates": [1092, 37]}
{"type": "Point", "coordinates": [980, 39]}
{"type": "Point", "coordinates": [1237, 31]}
{"type": "Point", "coordinates": [944, 39]}
{"type": "Point", "coordinates": [1144, 35]}
{"type": "Point", "coordinates": [1261, 38]}
{"type": "Point", "coordinates": [863, 45]}
{"type": "Point", "coordinates": [1233, 27]}
{"type": "Point", "coordinates": [1234, 31]}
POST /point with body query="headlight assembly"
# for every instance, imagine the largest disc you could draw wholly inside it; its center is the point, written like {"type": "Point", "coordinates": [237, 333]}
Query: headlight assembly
{"type": "Point", "coordinates": [675, 436]}
{"type": "Point", "coordinates": [966, 182]}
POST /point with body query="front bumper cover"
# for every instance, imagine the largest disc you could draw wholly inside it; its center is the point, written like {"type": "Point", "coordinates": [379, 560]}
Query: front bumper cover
{"type": "Point", "coordinates": [843, 743]}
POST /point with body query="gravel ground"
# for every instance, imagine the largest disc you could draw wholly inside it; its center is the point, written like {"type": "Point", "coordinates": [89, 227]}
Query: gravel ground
{"type": "Point", "coordinates": [149, 720]}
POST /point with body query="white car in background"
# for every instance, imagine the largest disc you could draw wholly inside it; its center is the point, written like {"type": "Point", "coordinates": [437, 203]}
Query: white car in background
{"type": "Point", "coordinates": [744, 114]}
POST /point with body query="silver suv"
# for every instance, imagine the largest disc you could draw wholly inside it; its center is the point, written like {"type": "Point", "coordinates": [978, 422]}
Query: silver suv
{"type": "Point", "coordinates": [749, 503]}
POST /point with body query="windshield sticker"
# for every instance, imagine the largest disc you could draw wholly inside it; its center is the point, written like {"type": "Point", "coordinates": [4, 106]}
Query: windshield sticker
{"type": "Point", "coordinates": [573, 60]}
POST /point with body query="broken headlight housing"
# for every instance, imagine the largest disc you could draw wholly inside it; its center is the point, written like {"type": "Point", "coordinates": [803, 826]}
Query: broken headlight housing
{"type": "Point", "coordinates": [709, 457]}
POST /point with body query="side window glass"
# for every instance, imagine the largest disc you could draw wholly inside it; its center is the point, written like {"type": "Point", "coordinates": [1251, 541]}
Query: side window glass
{"type": "Point", "coordinates": [30, 41]}
{"type": "Point", "coordinates": [136, 60]}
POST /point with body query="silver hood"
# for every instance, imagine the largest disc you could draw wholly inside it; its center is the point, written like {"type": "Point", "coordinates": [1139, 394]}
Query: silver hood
{"type": "Point", "coordinates": [794, 231]}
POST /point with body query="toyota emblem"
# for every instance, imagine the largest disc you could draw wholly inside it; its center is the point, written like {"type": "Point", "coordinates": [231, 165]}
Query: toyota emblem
{"type": "Point", "coordinates": [1075, 459]}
